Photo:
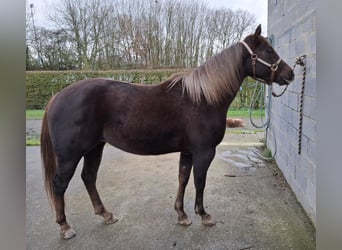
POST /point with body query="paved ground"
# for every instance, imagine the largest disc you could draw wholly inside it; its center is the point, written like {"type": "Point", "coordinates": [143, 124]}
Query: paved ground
{"type": "Point", "coordinates": [248, 198]}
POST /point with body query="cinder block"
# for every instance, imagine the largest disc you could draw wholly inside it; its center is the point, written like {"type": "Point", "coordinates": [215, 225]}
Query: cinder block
{"type": "Point", "coordinates": [310, 86]}
{"type": "Point", "coordinates": [281, 161]}
{"type": "Point", "coordinates": [283, 126]}
{"type": "Point", "coordinates": [310, 63]}
{"type": "Point", "coordinates": [305, 142]}
{"type": "Point", "coordinates": [312, 150]}
{"type": "Point", "coordinates": [296, 31]}
{"type": "Point", "coordinates": [292, 49]}
{"type": "Point", "coordinates": [309, 128]}
{"type": "Point", "coordinates": [306, 166]}
{"type": "Point", "coordinates": [297, 83]}
{"type": "Point", "coordinates": [311, 43]}
{"type": "Point", "coordinates": [308, 24]}
{"type": "Point", "coordinates": [301, 7]}
{"type": "Point", "coordinates": [309, 107]}
{"type": "Point", "coordinates": [295, 120]}
{"type": "Point", "coordinates": [292, 133]}
{"type": "Point", "coordinates": [301, 178]}
{"type": "Point", "coordinates": [293, 160]}
{"type": "Point", "coordinates": [284, 99]}
{"type": "Point", "coordinates": [294, 101]}
{"type": "Point", "coordinates": [300, 45]}
{"type": "Point", "coordinates": [270, 140]}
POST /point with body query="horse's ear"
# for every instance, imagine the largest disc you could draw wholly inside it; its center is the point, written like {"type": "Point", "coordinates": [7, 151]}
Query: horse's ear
{"type": "Point", "coordinates": [258, 30]}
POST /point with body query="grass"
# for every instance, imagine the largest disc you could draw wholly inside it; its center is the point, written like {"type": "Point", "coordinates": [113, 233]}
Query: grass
{"type": "Point", "coordinates": [267, 153]}
{"type": "Point", "coordinates": [34, 114]}
{"type": "Point", "coordinates": [32, 141]}
{"type": "Point", "coordinates": [243, 113]}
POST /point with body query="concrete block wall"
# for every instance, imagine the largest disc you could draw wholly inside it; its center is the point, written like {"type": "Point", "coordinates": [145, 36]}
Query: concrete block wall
{"type": "Point", "coordinates": [292, 24]}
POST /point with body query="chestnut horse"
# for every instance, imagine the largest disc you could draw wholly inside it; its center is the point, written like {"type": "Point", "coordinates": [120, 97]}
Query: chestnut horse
{"type": "Point", "coordinates": [186, 114]}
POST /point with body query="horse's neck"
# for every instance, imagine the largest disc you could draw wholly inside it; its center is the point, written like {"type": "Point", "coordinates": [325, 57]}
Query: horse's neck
{"type": "Point", "coordinates": [231, 95]}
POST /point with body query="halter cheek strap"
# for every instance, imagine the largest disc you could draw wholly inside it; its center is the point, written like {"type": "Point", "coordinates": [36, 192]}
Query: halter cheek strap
{"type": "Point", "coordinates": [273, 67]}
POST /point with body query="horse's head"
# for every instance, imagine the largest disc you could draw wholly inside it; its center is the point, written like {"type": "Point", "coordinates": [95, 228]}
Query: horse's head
{"type": "Point", "coordinates": [263, 63]}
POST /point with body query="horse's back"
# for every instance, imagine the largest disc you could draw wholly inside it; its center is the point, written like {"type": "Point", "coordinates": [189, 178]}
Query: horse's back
{"type": "Point", "coordinates": [90, 96]}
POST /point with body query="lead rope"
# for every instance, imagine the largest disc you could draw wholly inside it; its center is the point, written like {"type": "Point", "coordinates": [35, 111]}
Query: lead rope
{"type": "Point", "coordinates": [278, 95]}
{"type": "Point", "coordinates": [299, 61]}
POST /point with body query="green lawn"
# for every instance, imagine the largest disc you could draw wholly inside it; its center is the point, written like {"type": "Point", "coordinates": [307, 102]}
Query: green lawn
{"type": "Point", "coordinates": [34, 113]}
{"type": "Point", "coordinates": [32, 141]}
{"type": "Point", "coordinates": [234, 113]}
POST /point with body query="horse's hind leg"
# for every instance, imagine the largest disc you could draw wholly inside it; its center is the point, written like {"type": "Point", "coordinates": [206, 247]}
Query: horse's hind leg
{"type": "Point", "coordinates": [185, 165]}
{"type": "Point", "coordinates": [65, 171]}
{"type": "Point", "coordinates": [89, 174]}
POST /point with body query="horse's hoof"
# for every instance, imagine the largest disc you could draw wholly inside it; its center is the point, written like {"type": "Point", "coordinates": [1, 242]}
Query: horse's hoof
{"type": "Point", "coordinates": [68, 234]}
{"type": "Point", "coordinates": [207, 221]}
{"type": "Point", "coordinates": [185, 222]}
{"type": "Point", "coordinates": [110, 219]}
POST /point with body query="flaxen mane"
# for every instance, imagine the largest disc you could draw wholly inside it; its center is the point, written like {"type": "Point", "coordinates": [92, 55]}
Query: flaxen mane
{"type": "Point", "coordinates": [216, 78]}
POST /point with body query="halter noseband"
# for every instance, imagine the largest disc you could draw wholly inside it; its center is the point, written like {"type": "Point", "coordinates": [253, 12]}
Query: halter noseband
{"type": "Point", "coordinates": [255, 58]}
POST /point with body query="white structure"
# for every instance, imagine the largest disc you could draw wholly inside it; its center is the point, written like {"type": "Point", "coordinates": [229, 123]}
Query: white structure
{"type": "Point", "coordinates": [292, 27]}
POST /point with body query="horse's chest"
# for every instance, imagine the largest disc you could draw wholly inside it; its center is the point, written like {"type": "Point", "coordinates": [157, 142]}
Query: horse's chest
{"type": "Point", "coordinates": [207, 131]}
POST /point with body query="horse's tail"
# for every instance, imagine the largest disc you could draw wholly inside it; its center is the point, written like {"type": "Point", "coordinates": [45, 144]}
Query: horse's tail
{"type": "Point", "coordinates": [49, 163]}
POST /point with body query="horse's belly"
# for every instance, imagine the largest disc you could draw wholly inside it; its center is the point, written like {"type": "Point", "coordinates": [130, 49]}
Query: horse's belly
{"type": "Point", "coordinates": [143, 143]}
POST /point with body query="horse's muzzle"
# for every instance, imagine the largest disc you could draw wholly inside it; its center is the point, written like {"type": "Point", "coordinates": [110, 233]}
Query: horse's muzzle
{"type": "Point", "coordinates": [286, 80]}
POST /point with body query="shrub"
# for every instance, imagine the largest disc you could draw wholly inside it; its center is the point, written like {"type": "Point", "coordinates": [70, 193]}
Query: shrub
{"type": "Point", "coordinates": [42, 85]}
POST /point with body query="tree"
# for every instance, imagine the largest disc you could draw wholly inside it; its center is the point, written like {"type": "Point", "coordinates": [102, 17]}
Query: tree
{"type": "Point", "coordinates": [33, 40]}
{"type": "Point", "coordinates": [108, 34]}
{"type": "Point", "coordinates": [83, 21]}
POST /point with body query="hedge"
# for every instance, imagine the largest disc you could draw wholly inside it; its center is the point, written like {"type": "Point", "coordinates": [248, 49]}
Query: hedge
{"type": "Point", "coordinates": [42, 85]}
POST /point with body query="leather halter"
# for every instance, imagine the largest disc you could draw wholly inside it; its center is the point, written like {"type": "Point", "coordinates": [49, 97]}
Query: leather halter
{"type": "Point", "coordinates": [273, 67]}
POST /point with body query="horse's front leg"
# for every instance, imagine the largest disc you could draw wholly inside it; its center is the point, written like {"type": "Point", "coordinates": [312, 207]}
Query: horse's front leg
{"type": "Point", "coordinates": [185, 165]}
{"type": "Point", "coordinates": [202, 162]}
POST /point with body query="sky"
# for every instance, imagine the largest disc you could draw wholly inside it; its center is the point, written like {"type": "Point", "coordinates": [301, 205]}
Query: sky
{"type": "Point", "coordinates": [256, 7]}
